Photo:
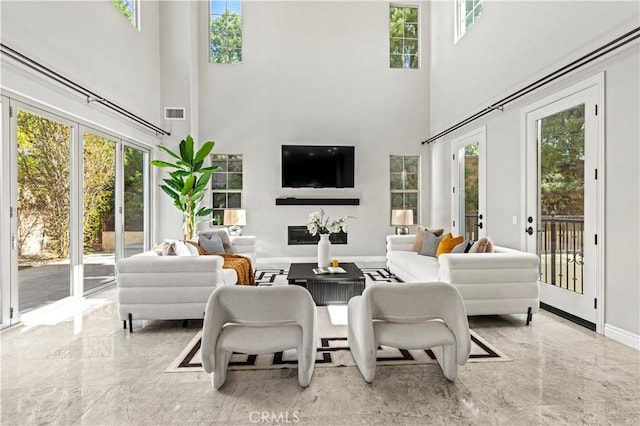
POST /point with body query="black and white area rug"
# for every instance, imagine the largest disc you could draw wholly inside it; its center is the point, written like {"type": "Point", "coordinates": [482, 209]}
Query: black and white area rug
{"type": "Point", "coordinates": [333, 349]}
{"type": "Point", "coordinates": [279, 276]}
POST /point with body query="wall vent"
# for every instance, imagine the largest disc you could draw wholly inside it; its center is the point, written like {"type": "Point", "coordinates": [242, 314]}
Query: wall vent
{"type": "Point", "coordinates": [174, 113]}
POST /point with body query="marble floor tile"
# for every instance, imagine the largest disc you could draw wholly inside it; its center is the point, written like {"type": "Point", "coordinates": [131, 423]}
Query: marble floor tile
{"type": "Point", "coordinates": [86, 369]}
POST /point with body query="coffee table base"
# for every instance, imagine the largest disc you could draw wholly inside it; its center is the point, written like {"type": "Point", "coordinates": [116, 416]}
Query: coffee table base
{"type": "Point", "coordinates": [325, 292]}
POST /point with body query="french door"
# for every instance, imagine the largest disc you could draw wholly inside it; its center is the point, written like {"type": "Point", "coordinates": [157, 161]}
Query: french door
{"type": "Point", "coordinates": [563, 200]}
{"type": "Point", "coordinates": [468, 201]}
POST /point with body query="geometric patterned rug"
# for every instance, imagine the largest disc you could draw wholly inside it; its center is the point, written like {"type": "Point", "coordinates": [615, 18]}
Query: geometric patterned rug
{"type": "Point", "coordinates": [333, 349]}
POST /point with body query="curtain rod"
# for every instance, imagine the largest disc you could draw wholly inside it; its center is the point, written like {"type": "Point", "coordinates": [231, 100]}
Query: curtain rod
{"type": "Point", "coordinates": [90, 95]}
{"type": "Point", "coordinates": [589, 57]}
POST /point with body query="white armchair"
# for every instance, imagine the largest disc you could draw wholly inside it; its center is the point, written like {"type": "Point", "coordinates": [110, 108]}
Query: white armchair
{"type": "Point", "coordinates": [409, 316]}
{"type": "Point", "coordinates": [258, 320]}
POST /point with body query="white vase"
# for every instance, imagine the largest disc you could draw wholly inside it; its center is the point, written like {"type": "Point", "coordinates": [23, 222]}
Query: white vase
{"type": "Point", "coordinates": [324, 251]}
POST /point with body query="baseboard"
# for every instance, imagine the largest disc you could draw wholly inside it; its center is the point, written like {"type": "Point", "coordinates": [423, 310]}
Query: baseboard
{"type": "Point", "coordinates": [622, 336]}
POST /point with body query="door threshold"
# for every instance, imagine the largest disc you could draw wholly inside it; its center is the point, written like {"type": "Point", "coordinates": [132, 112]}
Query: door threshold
{"type": "Point", "coordinates": [566, 315]}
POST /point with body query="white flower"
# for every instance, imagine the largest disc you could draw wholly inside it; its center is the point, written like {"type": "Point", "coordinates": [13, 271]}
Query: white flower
{"type": "Point", "coordinates": [321, 224]}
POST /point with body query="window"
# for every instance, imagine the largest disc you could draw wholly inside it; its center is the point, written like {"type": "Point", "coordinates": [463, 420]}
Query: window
{"type": "Point", "coordinates": [467, 13]}
{"type": "Point", "coordinates": [226, 184]}
{"type": "Point", "coordinates": [403, 37]}
{"type": "Point", "coordinates": [404, 176]}
{"type": "Point", "coordinates": [225, 22]}
{"type": "Point", "coordinates": [129, 8]}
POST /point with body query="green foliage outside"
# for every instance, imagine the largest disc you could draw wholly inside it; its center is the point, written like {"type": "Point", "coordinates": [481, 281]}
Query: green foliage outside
{"type": "Point", "coordinates": [403, 37]}
{"type": "Point", "coordinates": [562, 163]}
{"type": "Point", "coordinates": [226, 38]}
{"type": "Point", "coordinates": [125, 7]}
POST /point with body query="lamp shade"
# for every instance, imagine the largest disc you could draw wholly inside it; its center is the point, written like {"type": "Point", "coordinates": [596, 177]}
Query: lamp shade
{"type": "Point", "coordinates": [402, 217]}
{"type": "Point", "coordinates": [235, 217]}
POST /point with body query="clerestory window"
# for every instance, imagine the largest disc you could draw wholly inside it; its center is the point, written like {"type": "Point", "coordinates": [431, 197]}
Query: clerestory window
{"type": "Point", "coordinates": [403, 37]}
{"type": "Point", "coordinates": [130, 10]}
{"type": "Point", "coordinates": [467, 13]}
{"type": "Point", "coordinates": [225, 31]}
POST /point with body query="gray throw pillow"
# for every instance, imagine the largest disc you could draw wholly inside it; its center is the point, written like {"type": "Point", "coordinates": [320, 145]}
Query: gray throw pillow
{"type": "Point", "coordinates": [463, 247]}
{"type": "Point", "coordinates": [430, 244]}
{"type": "Point", "coordinates": [211, 242]}
{"type": "Point", "coordinates": [226, 240]}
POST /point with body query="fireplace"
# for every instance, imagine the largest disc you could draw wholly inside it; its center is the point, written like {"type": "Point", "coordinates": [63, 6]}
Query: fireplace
{"type": "Point", "coordinates": [298, 235]}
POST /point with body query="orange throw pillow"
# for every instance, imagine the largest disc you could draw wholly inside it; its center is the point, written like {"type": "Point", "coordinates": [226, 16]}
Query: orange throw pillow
{"type": "Point", "coordinates": [448, 243]}
{"type": "Point", "coordinates": [417, 244]}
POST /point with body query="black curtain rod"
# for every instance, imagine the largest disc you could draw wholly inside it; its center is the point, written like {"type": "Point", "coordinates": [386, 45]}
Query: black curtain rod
{"type": "Point", "coordinates": [90, 95]}
{"type": "Point", "coordinates": [499, 105]}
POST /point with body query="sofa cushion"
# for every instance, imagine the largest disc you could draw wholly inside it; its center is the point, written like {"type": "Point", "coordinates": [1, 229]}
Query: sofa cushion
{"type": "Point", "coordinates": [430, 244]}
{"type": "Point", "coordinates": [483, 245]}
{"type": "Point", "coordinates": [417, 244]}
{"type": "Point", "coordinates": [448, 243]}
{"type": "Point", "coordinates": [415, 268]}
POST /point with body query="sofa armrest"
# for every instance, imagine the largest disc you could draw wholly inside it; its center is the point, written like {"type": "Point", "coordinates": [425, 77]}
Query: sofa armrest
{"type": "Point", "coordinates": [400, 242]}
{"type": "Point", "coordinates": [244, 243]}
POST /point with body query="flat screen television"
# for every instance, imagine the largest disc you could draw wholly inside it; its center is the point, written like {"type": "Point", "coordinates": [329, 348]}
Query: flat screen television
{"type": "Point", "coordinates": [317, 166]}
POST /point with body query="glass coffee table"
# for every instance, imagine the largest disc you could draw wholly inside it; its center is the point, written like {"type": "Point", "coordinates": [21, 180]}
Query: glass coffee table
{"type": "Point", "coordinates": [328, 289]}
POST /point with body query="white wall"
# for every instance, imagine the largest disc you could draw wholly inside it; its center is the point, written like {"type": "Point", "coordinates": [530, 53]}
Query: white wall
{"type": "Point", "coordinates": [489, 64]}
{"type": "Point", "coordinates": [90, 43]}
{"type": "Point", "coordinates": [313, 73]}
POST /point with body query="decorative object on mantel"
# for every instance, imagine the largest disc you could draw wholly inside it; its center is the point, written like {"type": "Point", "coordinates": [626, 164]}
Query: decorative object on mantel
{"type": "Point", "coordinates": [322, 224]}
{"type": "Point", "coordinates": [187, 184]}
{"type": "Point", "coordinates": [402, 219]}
{"type": "Point", "coordinates": [235, 219]}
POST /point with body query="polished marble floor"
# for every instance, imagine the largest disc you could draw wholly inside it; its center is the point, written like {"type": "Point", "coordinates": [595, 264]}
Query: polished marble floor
{"type": "Point", "coordinates": [85, 369]}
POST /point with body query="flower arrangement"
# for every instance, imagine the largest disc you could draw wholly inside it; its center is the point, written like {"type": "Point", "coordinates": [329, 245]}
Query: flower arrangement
{"type": "Point", "coordinates": [320, 223]}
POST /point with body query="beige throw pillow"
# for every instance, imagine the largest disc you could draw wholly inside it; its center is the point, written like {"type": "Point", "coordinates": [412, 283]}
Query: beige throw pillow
{"type": "Point", "coordinates": [483, 245]}
{"type": "Point", "coordinates": [417, 244]}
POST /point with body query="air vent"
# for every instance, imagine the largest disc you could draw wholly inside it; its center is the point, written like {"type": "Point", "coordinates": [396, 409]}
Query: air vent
{"type": "Point", "coordinates": [173, 113]}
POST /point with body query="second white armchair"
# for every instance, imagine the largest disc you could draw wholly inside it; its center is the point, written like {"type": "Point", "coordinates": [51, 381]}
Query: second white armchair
{"type": "Point", "coordinates": [409, 316]}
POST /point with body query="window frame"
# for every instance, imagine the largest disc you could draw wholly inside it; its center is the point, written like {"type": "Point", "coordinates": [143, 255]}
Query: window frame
{"type": "Point", "coordinates": [418, 24]}
{"type": "Point", "coordinates": [216, 158]}
{"type": "Point", "coordinates": [404, 190]}
{"type": "Point", "coordinates": [460, 24]}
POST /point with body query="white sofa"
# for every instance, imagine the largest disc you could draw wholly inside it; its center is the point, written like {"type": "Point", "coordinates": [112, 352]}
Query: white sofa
{"type": "Point", "coordinates": [504, 282]}
{"type": "Point", "coordinates": [152, 286]}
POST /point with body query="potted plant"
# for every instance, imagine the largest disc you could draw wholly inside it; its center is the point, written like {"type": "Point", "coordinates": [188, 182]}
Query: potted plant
{"type": "Point", "coordinates": [187, 183]}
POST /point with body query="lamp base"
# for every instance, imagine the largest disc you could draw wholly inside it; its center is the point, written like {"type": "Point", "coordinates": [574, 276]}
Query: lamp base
{"type": "Point", "coordinates": [402, 230]}
{"type": "Point", "coordinates": [235, 230]}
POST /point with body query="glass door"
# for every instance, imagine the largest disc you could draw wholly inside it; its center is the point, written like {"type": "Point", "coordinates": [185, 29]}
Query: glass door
{"type": "Point", "coordinates": [562, 202]}
{"type": "Point", "coordinates": [99, 209]}
{"type": "Point", "coordinates": [468, 179]}
{"type": "Point", "coordinates": [135, 202]}
{"type": "Point", "coordinates": [43, 236]}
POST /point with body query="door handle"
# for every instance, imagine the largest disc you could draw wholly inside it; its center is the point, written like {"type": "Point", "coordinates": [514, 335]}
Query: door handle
{"type": "Point", "coordinates": [480, 225]}
{"type": "Point", "coordinates": [529, 230]}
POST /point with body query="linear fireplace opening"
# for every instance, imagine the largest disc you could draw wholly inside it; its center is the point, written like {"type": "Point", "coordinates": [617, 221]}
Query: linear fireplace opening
{"type": "Point", "coordinates": [299, 235]}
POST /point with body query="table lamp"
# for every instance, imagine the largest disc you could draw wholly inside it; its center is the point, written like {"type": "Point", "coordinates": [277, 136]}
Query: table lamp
{"type": "Point", "coordinates": [235, 219]}
{"type": "Point", "coordinates": [402, 219]}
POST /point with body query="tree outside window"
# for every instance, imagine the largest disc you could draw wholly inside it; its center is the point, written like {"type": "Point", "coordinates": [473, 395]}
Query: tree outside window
{"type": "Point", "coordinates": [226, 184]}
{"type": "Point", "coordinates": [403, 37]}
{"type": "Point", "coordinates": [225, 44]}
{"type": "Point", "coordinates": [404, 180]}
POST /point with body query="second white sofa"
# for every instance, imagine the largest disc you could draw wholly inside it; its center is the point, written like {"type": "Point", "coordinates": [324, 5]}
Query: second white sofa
{"type": "Point", "coordinates": [503, 282]}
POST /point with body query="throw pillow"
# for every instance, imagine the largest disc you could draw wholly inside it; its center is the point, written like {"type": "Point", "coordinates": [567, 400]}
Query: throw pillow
{"type": "Point", "coordinates": [430, 244]}
{"type": "Point", "coordinates": [211, 242]}
{"type": "Point", "coordinates": [175, 248]}
{"type": "Point", "coordinates": [483, 245]}
{"type": "Point", "coordinates": [447, 244]}
{"type": "Point", "coordinates": [417, 244]}
{"type": "Point", "coordinates": [463, 247]}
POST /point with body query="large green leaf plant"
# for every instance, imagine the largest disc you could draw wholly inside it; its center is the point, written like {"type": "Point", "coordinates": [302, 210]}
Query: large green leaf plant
{"type": "Point", "coordinates": [187, 183]}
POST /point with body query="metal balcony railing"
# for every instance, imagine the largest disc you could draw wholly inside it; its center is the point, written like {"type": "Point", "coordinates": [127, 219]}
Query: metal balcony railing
{"type": "Point", "coordinates": [561, 252]}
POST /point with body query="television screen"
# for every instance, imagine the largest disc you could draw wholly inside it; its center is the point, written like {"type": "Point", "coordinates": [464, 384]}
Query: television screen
{"type": "Point", "coordinates": [307, 166]}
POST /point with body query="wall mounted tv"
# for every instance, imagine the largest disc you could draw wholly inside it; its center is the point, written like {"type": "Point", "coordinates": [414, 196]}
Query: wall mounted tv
{"type": "Point", "coordinates": [315, 166]}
